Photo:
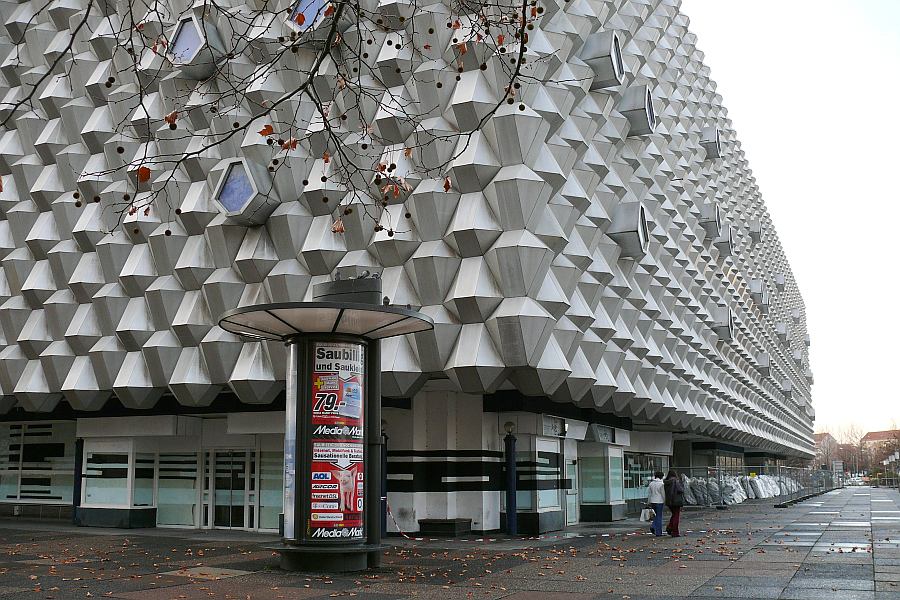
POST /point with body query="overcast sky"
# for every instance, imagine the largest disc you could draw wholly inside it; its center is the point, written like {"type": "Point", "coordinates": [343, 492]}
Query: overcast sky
{"type": "Point", "coordinates": [812, 89]}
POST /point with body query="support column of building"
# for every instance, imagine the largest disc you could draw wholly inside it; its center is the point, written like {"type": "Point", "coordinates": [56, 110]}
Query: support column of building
{"type": "Point", "coordinates": [445, 465]}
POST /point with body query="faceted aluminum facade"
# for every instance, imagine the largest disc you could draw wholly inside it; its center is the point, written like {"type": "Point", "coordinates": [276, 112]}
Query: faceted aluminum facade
{"type": "Point", "coordinates": [603, 242]}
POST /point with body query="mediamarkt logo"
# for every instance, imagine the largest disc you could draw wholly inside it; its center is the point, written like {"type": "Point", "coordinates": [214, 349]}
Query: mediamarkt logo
{"type": "Point", "coordinates": [338, 430]}
{"type": "Point", "coordinates": [322, 532]}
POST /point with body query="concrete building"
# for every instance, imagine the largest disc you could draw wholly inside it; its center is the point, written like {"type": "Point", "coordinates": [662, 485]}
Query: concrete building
{"type": "Point", "coordinates": [605, 279]}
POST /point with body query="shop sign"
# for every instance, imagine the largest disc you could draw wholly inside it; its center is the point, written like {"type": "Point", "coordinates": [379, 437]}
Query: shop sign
{"type": "Point", "coordinates": [337, 474]}
{"type": "Point", "coordinates": [603, 433]}
{"type": "Point", "coordinates": [554, 426]}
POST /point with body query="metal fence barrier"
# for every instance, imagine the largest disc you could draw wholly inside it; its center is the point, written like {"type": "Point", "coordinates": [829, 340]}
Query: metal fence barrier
{"type": "Point", "coordinates": [723, 486]}
{"type": "Point", "coordinates": [887, 481]}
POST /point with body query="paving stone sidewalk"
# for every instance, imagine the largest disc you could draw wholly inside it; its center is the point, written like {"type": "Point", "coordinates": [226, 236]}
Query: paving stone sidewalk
{"type": "Point", "coordinates": [842, 545]}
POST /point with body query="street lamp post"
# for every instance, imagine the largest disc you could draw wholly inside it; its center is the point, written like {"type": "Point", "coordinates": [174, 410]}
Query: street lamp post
{"type": "Point", "coordinates": [333, 443]}
{"type": "Point", "coordinates": [511, 476]}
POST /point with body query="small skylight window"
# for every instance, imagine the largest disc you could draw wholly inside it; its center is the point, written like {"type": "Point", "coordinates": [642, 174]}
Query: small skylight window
{"type": "Point", "coordinates": [187, 41]}
{"type": "Point", "coordinates": [306, 12]}
{"type": "Point", "coordinates": [618, 65]}
{"type": "Point", "coordinates": [237, 190]}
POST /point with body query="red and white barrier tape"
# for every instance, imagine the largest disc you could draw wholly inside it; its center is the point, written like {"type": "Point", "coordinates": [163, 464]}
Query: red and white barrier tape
{"type": "Point", "coordinates": [397, 525]}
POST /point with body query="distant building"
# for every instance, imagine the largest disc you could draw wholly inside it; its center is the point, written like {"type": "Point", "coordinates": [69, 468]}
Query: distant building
{"type": "Point", "coordinates": [879, 444]}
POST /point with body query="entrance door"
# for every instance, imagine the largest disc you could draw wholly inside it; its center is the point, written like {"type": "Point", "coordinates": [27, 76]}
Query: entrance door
{"type": "Point", "coordinates": [572, 493]}
{"type": "Point", "coordinates": [232, 479]}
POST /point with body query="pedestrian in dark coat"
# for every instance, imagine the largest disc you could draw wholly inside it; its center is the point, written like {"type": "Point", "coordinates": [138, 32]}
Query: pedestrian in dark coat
{"type": "Point", "coordinates": [674, 500]}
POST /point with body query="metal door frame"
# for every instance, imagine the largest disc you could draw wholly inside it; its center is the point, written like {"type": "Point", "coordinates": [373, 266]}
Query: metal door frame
{"type": "Point", "coordinates": [208, 493]}
{"type": "Point", "coordinates": [574, 491]}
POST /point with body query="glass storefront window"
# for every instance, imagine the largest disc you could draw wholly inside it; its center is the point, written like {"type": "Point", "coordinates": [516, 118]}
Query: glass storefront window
{"type": "Point", "coordinates": [615, 478]}
{"type": "Point", "coordinates": [37, 462]}
{"type": "Point", "coordinates": [176, 495]}
{"type": "Point", "coordinates": [144, 475]}
{"type": "Point", "coordinates": [732, 462]}
{"type": "Point", "coordinates": [10, 461]}
{"type": "Point", "coordinates": [593, 479]}
{"type": "Point", "coordinates": [634, 475]}
{"type": "Point", "coordinates": [270, 488]}
{"type": "Point", "coordinates": [639, 470]}
{"type": "Point", "coordinates": [105, 478]}
{"type": "Point", "coordinates": [9, 486]}
{"type": "Point", "coordinates": [548, 479]}
{"type": "Point", "coordinates": [524, 496]}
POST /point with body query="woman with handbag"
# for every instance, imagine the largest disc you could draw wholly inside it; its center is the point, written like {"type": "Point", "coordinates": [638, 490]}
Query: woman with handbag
{"type": "Point", "coordinates": [656, 497]}
{"type": "Point", "coordinates": [674, 496]}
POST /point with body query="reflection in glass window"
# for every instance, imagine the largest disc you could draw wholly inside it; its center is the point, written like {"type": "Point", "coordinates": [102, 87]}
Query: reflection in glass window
{"type": "Point", "coordinates": [106, 479]}
{"type": "Point", "coordinates": [306, 12]}
{"type": "Point", "coordinates": [187, 41]}
{"type": "Point", "coordinates": [237, 189]}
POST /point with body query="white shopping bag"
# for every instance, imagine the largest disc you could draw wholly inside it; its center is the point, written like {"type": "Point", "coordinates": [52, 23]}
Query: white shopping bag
{"type": "Point", "coordinates": [648, 514]}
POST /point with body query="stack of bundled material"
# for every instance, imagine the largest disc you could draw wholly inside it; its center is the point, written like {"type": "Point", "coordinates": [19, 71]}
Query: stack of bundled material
{"type": "Point", "coordinates": [732, 490]}
{"type": "Point", "coordinates": [748, 490]}
{"type": "Point", "coordinates": [689, 497]}
{"type": "Point", "coordinates": [698, 486]}
{"type": "Point", "coordinates": [699, 491]}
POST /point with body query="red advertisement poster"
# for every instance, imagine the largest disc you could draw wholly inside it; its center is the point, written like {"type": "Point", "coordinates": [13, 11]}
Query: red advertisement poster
{"type": "Point", "coordinates": [337, 480]}
{"type": "Point", "coordinates": [338, 387]}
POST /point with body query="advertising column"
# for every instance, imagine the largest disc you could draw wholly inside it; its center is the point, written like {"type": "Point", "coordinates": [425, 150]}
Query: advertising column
{"type": "Point", "coordinates": [337, 443]}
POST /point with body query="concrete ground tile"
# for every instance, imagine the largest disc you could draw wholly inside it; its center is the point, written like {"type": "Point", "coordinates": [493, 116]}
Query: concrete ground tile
{"type": "Point", "coordinates": [837, 583]}
{"type": "Point", "coordinates": [205, 592]}
{"type": "Point", "coordinates": [551, 596]}
{"type": "Point", "coordinates": [811, 594]}
{"type": "Point", "coordinates": [771, 558]}
{"type": "Point", "coordinates": [436, 592]}
{"type": "Point", "coordinates": [737, 591]}
{"type": "Point", "coordinates": [748, 581]}
{"type": "Point", "coordinates": [810, 569]}
{"type": "Point", "coordinates": [770, 573]}
{"type": "Point", "coordinates": [206, 573]}
{"type": "Point", "coordinates": [407, 588]}
{"type": "Point", "coordinates": [516, 581]}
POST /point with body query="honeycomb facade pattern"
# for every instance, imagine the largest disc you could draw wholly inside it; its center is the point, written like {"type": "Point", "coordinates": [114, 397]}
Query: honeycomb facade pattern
{"type": "Point", "coordinates": [603, 242]}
